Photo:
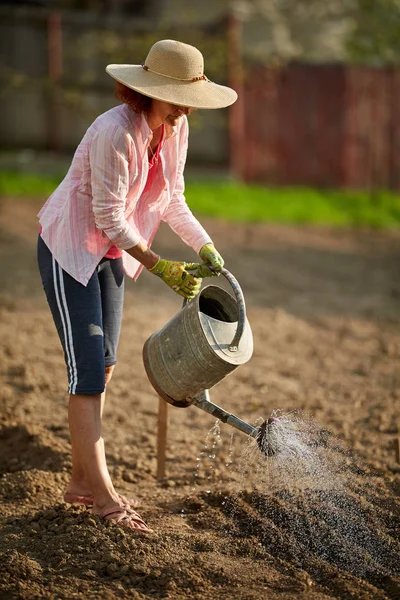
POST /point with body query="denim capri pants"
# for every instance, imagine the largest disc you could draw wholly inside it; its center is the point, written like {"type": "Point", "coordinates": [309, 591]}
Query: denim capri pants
{"type": "Point", "coordinates": [88, 318]}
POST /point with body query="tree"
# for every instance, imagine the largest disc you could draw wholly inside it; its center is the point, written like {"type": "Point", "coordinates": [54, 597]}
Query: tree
{"type": "Point", "coordinates": [296, 29]}
{"type": "Point", "coordinates": [375, 37]}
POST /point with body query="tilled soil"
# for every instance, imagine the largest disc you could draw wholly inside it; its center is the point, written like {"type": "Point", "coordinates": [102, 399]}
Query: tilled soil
{"type": "Point", "coordinates": [324, 310]}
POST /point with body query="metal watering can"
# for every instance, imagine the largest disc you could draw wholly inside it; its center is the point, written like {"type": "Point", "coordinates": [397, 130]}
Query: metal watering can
{"type": "Point", "coordinates": [204, 342]}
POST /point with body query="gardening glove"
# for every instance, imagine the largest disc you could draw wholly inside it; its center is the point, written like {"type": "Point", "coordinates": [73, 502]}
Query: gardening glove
{"type": "Point", "coordinates": [212, 258]}
{"type": "Point", "coordinates": [202, 271]}
{"type": "Point", "coordinates": [177, 276]}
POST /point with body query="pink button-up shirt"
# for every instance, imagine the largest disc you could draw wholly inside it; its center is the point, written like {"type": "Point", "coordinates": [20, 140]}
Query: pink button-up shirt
{"type": "Point", "coordinates": [102, 201]}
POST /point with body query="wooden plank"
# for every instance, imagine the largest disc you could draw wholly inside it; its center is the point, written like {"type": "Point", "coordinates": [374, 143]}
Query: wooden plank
{"type": "Point", "coordinates": [162, 437]}
{"type": "Point", "coordinates": [396, 446]}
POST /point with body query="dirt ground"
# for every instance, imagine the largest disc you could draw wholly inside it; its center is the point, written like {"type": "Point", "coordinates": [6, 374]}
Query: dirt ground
{"type": "Point", "coordinates": [324, 310]}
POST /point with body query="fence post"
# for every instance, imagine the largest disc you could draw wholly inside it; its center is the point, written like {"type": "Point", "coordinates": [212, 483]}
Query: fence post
{"type": "Point", "coordinates": [236, 111]}
{"type": "Point", "coordinates": [55, 70]}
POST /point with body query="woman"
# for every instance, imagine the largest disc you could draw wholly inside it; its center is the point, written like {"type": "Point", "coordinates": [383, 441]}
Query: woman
{"type": "Point", "coordinates": [126, 176]}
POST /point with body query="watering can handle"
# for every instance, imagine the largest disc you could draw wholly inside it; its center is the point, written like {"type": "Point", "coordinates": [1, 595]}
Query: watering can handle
{"type": "Point", "coordinates": [233, 346]}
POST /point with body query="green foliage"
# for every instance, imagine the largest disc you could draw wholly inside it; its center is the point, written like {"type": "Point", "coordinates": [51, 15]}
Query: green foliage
{"type": "Point", "coordinates": [251, 203]}
{"type": "Point", "coordinates": [376, 35]}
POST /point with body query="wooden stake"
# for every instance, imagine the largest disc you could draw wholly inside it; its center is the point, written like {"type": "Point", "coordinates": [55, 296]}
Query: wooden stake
{"type": "Point", "coordinates": [162, 437]}
{"type": "Point", "coordinates": [396, 445]}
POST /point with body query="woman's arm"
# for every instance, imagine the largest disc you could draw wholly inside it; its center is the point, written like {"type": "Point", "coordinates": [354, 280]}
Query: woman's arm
{"type": "Point", "coordinates": [143, 254]}
{"type": "Point", "coordinates": [178, 215]}
{"type": "Point", "coordinates": [109, 159]}
{"type": "Point", "coordinates": [109, 162]}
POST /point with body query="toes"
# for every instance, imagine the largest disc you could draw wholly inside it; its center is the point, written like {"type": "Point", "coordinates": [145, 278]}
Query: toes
{"type": "Point", "coordinates": [129, 501]}
{"type": "Point", "coordinates": [126, 517]}
{"type": "Point", "coordinates": [138, 525]}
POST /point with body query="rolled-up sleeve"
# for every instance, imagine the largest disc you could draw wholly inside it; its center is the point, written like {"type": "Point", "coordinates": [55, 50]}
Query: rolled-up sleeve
{"type": "Point", "coordinates": [110, 156]}
{"type": "Point", "coordinates": [178, 215]}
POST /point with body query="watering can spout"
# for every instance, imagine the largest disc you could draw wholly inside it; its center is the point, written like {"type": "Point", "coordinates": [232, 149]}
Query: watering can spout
{"type": "Point", "coordinates": [203, 401]}
{"type": "Point", "coordinates": [265, 434]}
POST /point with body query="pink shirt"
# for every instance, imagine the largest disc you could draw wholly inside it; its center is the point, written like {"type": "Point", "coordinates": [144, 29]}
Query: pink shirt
{"type": "Point", "coordinates": [104, 200]}
{"type": "Point", "coordinates": [115, 252]}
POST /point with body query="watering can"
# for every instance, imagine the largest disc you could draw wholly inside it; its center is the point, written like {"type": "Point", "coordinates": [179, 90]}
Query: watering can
{"type": "Point", "coordinates": [204, 342]}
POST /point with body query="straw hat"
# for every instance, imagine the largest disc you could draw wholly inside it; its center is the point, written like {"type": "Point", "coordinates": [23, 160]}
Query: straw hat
{"type": "Point", "coordinates": [174, 72]}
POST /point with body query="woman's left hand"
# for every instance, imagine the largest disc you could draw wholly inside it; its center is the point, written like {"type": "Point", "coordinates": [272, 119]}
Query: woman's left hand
{"type": "Point", "coordinates": [202, 271]}
{"type": "Point", "coordinates": [212, 258]}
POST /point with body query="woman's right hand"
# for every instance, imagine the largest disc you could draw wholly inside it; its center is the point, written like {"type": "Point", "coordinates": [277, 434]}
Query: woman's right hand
{"type": "Point", "coordinates": [178, 277]}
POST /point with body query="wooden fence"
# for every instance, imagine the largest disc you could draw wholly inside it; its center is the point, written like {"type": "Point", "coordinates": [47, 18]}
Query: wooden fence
{"type": "Point", "coordinates": [53, 81]}
{"type": "Point", "coordinates": [312, 125]}
{"type": "Point", "coordinates": [329, 126]}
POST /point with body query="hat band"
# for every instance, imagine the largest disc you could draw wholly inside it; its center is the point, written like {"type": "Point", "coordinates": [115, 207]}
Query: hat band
{"type": "Point", "coordinates": [200, 78]}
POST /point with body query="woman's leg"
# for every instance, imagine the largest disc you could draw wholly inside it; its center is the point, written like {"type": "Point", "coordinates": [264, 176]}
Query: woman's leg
{"type": "Point", "coordinates": [104, 327]}
{"type": "Point", "coordinates": [88, 447]}
{"type": "Point", "coordinates": [78, 315]}
{"type": "Point", "coordinates": [86, 437]}
{"type": "Point", "coordinates": [79, 488]}
{"type": "Point", "coordinates": [79, 484]}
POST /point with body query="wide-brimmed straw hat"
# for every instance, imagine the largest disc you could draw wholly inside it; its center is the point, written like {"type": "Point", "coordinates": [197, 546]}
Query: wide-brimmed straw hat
{"type": "Point", "coordinates": [174, 72]}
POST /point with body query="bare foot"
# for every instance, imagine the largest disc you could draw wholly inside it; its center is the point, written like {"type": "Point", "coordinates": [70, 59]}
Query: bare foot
{"type": "Point", "coordinates": [81, 494]}
{"type": "Point", "coordinates": [88, 500]}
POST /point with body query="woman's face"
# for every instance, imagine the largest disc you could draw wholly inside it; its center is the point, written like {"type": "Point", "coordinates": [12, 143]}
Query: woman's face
{"type": "Point", "coordinates": [163, 112]}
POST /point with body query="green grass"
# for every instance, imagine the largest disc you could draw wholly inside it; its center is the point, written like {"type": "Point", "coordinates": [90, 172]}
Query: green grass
{"type": "Point", "coordinates": [255, 203]}
{"type": "Point", "coordinates": [27, 184]}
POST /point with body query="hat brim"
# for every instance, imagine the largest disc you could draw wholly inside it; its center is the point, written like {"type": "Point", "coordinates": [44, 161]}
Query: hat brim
{"type": "Point", "coordinates": [191, 94]}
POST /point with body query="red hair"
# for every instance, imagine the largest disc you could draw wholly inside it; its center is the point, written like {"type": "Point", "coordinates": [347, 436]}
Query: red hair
{"type": "Point", "coordinates": [135, 100]}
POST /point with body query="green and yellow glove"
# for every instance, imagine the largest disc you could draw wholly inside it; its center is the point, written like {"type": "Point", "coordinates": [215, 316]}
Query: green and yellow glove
{"type": "Point", "coordinates": [212, 258]}
{"type": "Point", "coordinates": [177, 276]}
{"type": "Point", "coordinates": [202, 271]}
